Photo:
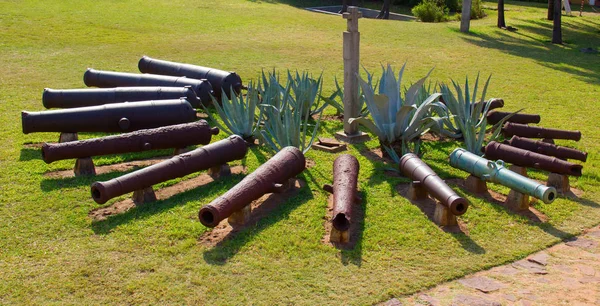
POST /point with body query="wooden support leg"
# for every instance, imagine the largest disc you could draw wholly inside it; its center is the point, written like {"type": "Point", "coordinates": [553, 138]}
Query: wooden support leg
{"type": "Point", "coordinates": [517, 201]}
{"type": "Point", "coordinates": [475, 185]}
{"type": "Point", "coordinates": [66, 137]}
{"type": "Point", "coordinates": [241, 216]}
{"type": "Point", "coordinates": [178, 151]}
{"type": "Point", "coordinates": [84, 166]}
{"type": "Point", "coordinates": [560, 182]}
{"type": "Point", "coordinates": [339, 237]}
{"type": "Point", "coordinates": [143, 196]}
{"type": "Point", "coordinates": [519, 170]}
{"type": "Point", "coordinates": [219, 171]}
{"type": "Point", "coordinates": [416, 191]}
{"type": "Point", "coordinates": [442, 215]}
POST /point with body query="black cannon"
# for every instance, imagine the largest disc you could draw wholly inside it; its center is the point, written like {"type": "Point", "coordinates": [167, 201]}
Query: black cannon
{"type": "Point", "coordinates": [496, 116]}
{"type": "Point", "coordinates": [214, 154]}
{"type": "Point", "coordinates": [271, 176]}
{"type": "Point", "coordinates": [523, 130]}
{"type": "Point", "coordinates": [219, 79]}
{"type": "Point", "coordinates": [520, 157]}
{"type": "Point", "coordinates": [173, 136]}
{"type": "Point", "coordinates": [70, 98]}
{"type": "Point", "coordinates": [118, 117]}
{"type": "Point", "coordinates": [106, 79]}
{"type": "Point", "coordinates": [547, 148]}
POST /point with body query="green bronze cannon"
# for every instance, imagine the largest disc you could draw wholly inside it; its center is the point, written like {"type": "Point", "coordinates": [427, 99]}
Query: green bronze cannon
{"type": "Point", "coordinates": [495, 172]}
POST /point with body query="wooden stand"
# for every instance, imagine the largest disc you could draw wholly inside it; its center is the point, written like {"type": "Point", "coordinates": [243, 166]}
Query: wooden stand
{"type": "Point", "coordinates": [181, 151]}
{"type": "Point", "coordinates": [84, 166]}
{"type": "Point", "coordinates": [219, 171]}
{"type": "Point", "coordinates": [416, 191]}
{"type": "Point", "coordinates": [143, 196]}
{"type": "Point", "coordinates": [475, 184]}
{"type": "Point", "coordinates": [560, 182]}
{"type": "Point", "coordinates": [66, 137]}
{"type": "Point", "coordinates": [548, 140]}
{"type": "Point", "coordinates": [339, 237]}
{"type": "Point", "coordinates": [241, 216]}
{"type": "Point", "coordinates": [517, 201]}
{"type": "Point", "coordinates": [519, 170]}
{"type": "Point", "coordinates": [442, 215]}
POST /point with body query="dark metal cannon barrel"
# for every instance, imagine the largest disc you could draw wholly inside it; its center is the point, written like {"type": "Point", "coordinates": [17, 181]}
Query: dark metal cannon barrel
{"type": "Point", "coordinates": [214, 154]}
{"type": "Point", "coordinates": [345, 182]}
{"type": "Point", "coordinates": [219, 79]}
{"type": "Point", "coordinates": [525, 158]}
{"type": "Point", "coordinates": [174, 136]}
{"type": "Point", "coordinates": [110, 118]}
{"type": "Point", "coordinates": [495, 103]}
{"type": "Point", "coordinates": [547, 148]}
{"type": "Point", "coordinates": [495, 117]}
{"type": "Point", "coordinates": [415, 169]}
{"type": "Point", "coordinates": [523, 130]}
{"type": "Point", "coordinates": [70, 98]}
{"type": "Point", "coordinates": [269, 177]}
{"type": "Point", "coordinates": [106, 79]}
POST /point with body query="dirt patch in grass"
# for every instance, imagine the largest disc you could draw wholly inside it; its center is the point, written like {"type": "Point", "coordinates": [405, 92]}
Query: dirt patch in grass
{"type": "Point", "coordinates": [120, 207]}
{"type": "Point", "coordinates": [260, 208]}
{"type": "Point", "coordinates": [355, 230]}
{"type": "Point", "coordinates": [37, 145]}
{"type": "Point", "coordinates": [310, 163]}
{"type": "Point", "coordinates": [120, 167]}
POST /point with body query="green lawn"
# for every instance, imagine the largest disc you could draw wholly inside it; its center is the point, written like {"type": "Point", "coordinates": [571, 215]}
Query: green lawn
{"type": "Point", "coordinates": [52, 252]}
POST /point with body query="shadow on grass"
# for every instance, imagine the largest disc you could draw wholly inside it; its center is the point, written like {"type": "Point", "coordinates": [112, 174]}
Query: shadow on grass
{"type": "Point", "coordinates": [28, 154]}
{"type": "Point", "coordinates": [235, 240]}
{"type": "Point", "coordinates": [49, 184]}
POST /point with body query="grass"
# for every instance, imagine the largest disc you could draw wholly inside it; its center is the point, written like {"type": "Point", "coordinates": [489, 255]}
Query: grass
{"type": "Point", "coordinates": [51, 252]}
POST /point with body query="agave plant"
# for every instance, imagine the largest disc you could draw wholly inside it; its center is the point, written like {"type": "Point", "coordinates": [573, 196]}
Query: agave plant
{"type": "Point", "coordinates": [397, 118]}
{"type": "Point", "coordinates": [466, 118]}
{"type": "Point", "coordinates": [238, 114]}
{"type": "Point", "coordinates": [286, 112]}
{"type": "Point", "coordinates": [338, 104]}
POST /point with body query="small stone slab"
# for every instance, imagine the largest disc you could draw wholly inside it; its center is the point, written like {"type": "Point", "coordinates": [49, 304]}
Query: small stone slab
{"type": "Point", "coordinates": [360, 137]}
{"type": "Point", "coordinates": [329, 145]}
{"type": "Point", "coordinates": [586, 270]}
{"type": "Point", "coordinates": [429, 300]}
{"type": "Point", "coordinates": [588, 279]}
{"type": "Point", "coordinates": [539, 258]}
{"type": "Point", "coordinates": [582, 243]}
{"type": "Point", "coordinates": [594, 234]}
{"type": "Point", "coordinates": [482, 284]}
{"type": "Point", "coordinates": [470, 300]}
{"type": "Point", "coordinates": [392, 302]}
{"type": "Point", "coordinates": [530, 266]}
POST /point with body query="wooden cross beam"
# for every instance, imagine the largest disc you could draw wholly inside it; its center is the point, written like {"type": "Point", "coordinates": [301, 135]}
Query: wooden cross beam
{"type": "Point", "coordinates": [352, 15]}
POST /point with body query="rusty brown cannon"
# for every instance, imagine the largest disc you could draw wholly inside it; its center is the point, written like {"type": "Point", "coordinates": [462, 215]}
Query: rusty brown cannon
{"type": "Point", "coordinates": [524, 158]}
{"type": "Point", "coordinates": [104, 79]}
{"type": "Point", "coordinates": [219, 79]}
{"type": "Point", "coordinates": [547, 148]}
{"type": "Point", "coordinates": [496, 116]}
{"type": "Point", "coordinates": [522, 130]}
{"type": "Point", "coordinates": [110, 118]}
{"type": "Point", "coordinates": [495, 103]}
{"type": "Point", "coordinates": [209, 156]}
{"type": "Point", "coordinates": [425, 178]}
{"type": "Point", "coordinates": [173, 136]}
{"type": "Point", "coordinates": [70, 98]}
{"type": "Point", "coordinates": [271, 177]}
{"type": "Point", "coordinates": [344, 190]}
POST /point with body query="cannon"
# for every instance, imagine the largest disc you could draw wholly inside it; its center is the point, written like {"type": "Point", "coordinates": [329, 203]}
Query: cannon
{"type": "Point", "coordinates": [496, 116]}
{"type": "Point", "coordinates": [495, 103]}
{"type": "Point", "coordinates": [104, 79]}
{"type": "Point", "coordinates": [118, 117]}
{"type": "Point", "coordinates": [515, 129]}
{"type": "Point", "coordinates": [524, 158]}
{"type": "Point", "coordinates": [547, 148]}
{"type": "Point", "coordinates": [495, 172]}
{"type": "Point", "coordinates": [222, 81]}
{"type": "Point", "coordinates": [344, 190]}
{"type": "Point", "coordinates": [271, 177]}
{"type": "Point", "coordinates": [212, 155]}
{"type": "Point", "coordinates": [70, 98]}
{"type": "Point", "coordinates": [173, 136]}
{"type": "Point", "coordinates": [418, 171]}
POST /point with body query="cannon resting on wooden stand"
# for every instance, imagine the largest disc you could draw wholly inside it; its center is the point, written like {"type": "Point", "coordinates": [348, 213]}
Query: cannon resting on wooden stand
{"type": "Point", "coordinates": [496, 116]}
{"type": "Point", "coordinates": [547, 148]}
{"type": "Point", "coordinates": [523, 130]}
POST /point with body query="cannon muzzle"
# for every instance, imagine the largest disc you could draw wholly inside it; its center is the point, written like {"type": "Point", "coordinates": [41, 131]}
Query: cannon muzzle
{"type": "Point", "coordinates": [268, 178]}
{"type": "Point", "coordinates": [524, 158]}
{"type": "Point", "coordinates": [214, 154]}
{"type": "Point", "coordinates": [174, 136]}
{"type": "Point", "coordinates": [495, 172]}
{"type": "Point", "coordinates": [522, 130]}
{"type": "Point", "coordinates": [415, 169]}
{"type": "Point", "coordinates": [219, 79]}
{"type": "Point", "coordinates": [70, 98]}
{"type": "Point", "coordinates": [104, 79]}
{"type": "Point", "coordinates": [547, 148]}
{"type": "Point", "coordinates": [495, 117]}
{"type": "Point", "coordinates": [110, 118]}
{"type": "Point", "coordinates": [344, 189]}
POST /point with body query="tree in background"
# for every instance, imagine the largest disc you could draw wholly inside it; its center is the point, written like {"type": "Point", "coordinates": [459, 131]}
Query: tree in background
{"type": "Point", "coordinates": [345, 5]}
{"type": "Point", "coordinates": [465, 19]}
{"type": "Point", "coordinates": [501, 22]}
{"type": "Point", "coordinates": [551, 9]}
{"type": "Point", "coordinates": [556, 27]}
{"type": "Point", "coordinates": [385, 10]}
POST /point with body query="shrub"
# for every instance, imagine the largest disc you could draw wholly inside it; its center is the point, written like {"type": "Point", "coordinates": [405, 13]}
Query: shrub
{"type": "Point", "coordinates": [430, 11]}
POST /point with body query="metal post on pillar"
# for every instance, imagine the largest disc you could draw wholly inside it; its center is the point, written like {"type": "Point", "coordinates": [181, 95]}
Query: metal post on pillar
{"type": "Point", "coordinates": [351, 54]}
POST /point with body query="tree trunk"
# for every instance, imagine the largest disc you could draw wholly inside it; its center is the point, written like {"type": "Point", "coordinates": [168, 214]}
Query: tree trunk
{"type": "Point", "coordinates": [551, 9]}
{"type": "Point", "coordinates": [501, 22]}
{"type": "Point", "coordinates": [385, 10]}
{"type": "Point", "coordinates": [556, 29]}
{"type": "Point", "coordinates": [465, 19]}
